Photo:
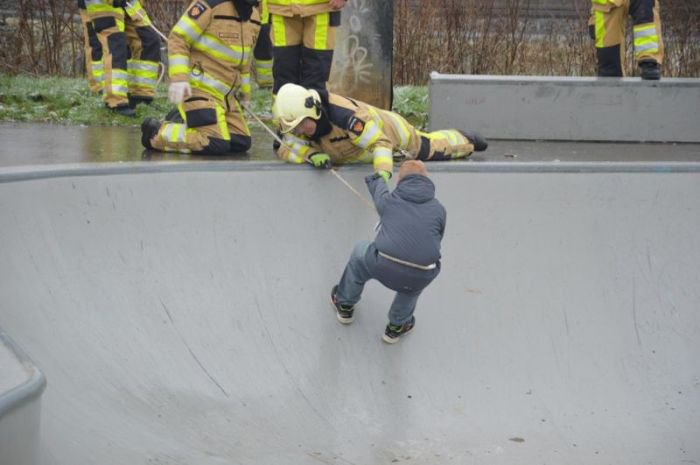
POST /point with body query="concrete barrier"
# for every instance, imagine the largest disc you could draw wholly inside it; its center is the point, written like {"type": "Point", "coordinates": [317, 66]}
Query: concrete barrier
{"type": "Point", "coordinates": [565, 108]}
{"type": "Point", "coordinates": [21, 385]}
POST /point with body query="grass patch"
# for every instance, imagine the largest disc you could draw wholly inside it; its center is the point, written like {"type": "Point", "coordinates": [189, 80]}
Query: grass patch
{"type": "Point", "coordinates": [68, 101]}
{"type": "Point", "coordinates": [411, 102]}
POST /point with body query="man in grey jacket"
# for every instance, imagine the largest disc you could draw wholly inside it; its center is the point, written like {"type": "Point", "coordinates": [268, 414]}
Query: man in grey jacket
{"type": "Point", "coordinates": [405, 255]}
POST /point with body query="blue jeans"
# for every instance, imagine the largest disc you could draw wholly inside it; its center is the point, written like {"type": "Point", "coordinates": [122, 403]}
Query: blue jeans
{"type": "Point", "coordinates": [352, 283]}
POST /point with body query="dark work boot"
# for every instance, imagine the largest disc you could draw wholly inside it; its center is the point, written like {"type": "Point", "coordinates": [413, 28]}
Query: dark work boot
{"type": "Point", "coordinates": [479, 142]}
{"type": "Point", "coordinates": [174, 116]}
{"type": "Point", "coordinates": [124, 110]}
{"type": "Point", "coordinates": [136, 99]}
{"type": "Point", "coordinates": [650, 70]}
{"type": "Point", "coordinates": [149, 128]}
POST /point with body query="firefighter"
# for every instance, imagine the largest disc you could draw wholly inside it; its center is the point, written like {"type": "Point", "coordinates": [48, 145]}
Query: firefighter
{"type": "Point", "coordinates": [324, 129]}
{"type": "Point", "coordinates": [92, 51]}
{"type": "Point", "coordinates": [303, 39]}
{"type": "Point", "coordinates": [209, 54]}
{"type": "Point", "coordinates": [607, 29]}
{"type": "Point", "coordinates": [263, 50]}
{"type": "Point", "coordinates": [130, 53]}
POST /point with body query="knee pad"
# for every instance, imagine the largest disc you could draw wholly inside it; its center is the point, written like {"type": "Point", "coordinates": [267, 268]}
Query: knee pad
{"type": "Point", "coordinates": [240, 143]}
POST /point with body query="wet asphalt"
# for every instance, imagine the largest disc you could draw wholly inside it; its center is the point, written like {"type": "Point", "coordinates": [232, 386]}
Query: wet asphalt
{"type": "Point", "coordinates": [28, 144]}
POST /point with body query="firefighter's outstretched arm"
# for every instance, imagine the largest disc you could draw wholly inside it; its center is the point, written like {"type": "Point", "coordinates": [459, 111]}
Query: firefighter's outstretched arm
{"type": "Point", "coordinates": [365, 132]}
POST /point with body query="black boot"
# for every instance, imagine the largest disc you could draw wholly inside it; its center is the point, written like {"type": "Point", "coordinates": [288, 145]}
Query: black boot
{"type": "Point", "coordinates": [276, 142]}
{"type": "Point", "coordinates": [135, 100]}
{"type": "Point", "coordinates": [149, 128]}
{"type": "Point", "coordinates": [650, 70]}
{"type": "Point", "coordinates": [124, 110]}
{"type": "Point", "coordinates": [480, 143]}
{"type": "Point", "coordinates": [174, 116]}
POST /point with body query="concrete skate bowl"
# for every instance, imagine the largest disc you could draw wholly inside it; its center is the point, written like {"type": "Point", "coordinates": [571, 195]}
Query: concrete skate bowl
{"type": "Point", "coordinates": [180, 315]}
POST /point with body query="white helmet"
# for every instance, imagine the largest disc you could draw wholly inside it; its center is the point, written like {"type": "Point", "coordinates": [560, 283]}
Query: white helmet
{"type": "Point", "coordinates": [294, 103]}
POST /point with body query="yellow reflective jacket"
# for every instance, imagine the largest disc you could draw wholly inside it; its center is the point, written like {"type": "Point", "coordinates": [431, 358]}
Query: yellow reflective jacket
{"type": "Point", "coordinates": [350, 131]}
{"type": "Point", "coordinates": [298, 7]}
{"type": "Point", "coordinates": [211, 46]}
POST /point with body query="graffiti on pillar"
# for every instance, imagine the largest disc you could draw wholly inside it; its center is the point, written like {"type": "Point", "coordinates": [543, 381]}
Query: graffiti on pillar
{"type": "Point", "coordinates": [361, 68]}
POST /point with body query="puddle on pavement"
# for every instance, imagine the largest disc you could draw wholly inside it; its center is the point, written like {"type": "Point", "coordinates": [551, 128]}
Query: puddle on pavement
{"type": "Point", "coordinates": [32, 144]}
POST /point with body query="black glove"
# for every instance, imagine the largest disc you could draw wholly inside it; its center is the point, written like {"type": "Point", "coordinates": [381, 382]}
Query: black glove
{"type": "Point", "coordinates": [119, 3]}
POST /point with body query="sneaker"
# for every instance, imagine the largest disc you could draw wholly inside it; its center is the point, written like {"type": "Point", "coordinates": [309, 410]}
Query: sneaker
{"type": "Point", "coordinates": [650, 70]}
{"type": "Point", "coordinates": [392, 333]}
{"type": "Point", "coordinates": [342, 312]}
{"type": "Point", "coordinates": [479, 142]}
{"type": "Point", "coordinates": [149, 128]}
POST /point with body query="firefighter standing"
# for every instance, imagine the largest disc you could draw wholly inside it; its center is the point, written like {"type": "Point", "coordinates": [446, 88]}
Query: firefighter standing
{"type": "Point", "coordinates": [607, 28]}
{"type": "Point", "coordinates": [303, 39]}
{"type": "Point", "coordinates": [92, 51]}
{"type": "Point", "coordinates": [131, 52]}
{"type": "Point", "coordinates": [209, 54]}
{"type": "Point", "coordinates": [325, 129]}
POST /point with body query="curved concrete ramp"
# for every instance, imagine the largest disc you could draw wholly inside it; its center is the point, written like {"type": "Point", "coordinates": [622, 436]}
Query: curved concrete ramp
{"type": "Point", "coordinates": [181, 317]}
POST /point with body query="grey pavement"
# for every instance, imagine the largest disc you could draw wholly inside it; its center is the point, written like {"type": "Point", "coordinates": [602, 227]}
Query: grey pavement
{"type": "Point", "coordinates": [181, 315]}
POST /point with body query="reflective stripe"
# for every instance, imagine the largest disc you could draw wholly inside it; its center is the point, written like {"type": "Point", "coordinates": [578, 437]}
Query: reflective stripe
{"type": "Point", "coordinates": [400, 128]}
{"type": "Point", "coordinates": [178, 64]}
{"type": "Point", "coordinates": [298, 148]}
{"type": "Point", "coordinates": [450, 136]}
{"type": "Point", "coordinates": [262, 65]}
{"type": "Point", "coordinates": [369, 135]}
{"type": "Point", "coordinates": [599, 29]}
{"type": "Point", "coordinates": [119, 83]}
{"type": "Point", "coordinates": [143, 65]}
{"type": "Point", "coordinates": [245, 86]}
{"type": "Point", "coordinates": [207, 43]}
{"type": "Point", "coordinates": [97, 70]}
{"type": "Point", "coordinates": [142, 81]}
{"type": "Point", "coordinates": [209, 85]}
{"type": "Point", "coordinates": [188, 30]}
{"type": "Point", "coordinates": [279, 34]}
{"type": "Point", "coordinates": [173, 132]}
{"type": "Point", "coordinates": [646, 39]}
{"type": "Point", "coordinates": [99, 7]}
{"type": "Point", "coordinates": [179, 60]}
{"type": "Point", "coordinates": [136, 11]}
{"type": "Point", "coordinates": [383, 159]}
{"type": "Point", "coordinates": [648, 30]}
{"type": "Point", "coordinates": [119, 88]}
{"type": "Point", "coordinates": [648, 48]}
{"type": "Point", "coordinates": [321, 35]}
{"type": "Point", "coordinates": [221, 121]}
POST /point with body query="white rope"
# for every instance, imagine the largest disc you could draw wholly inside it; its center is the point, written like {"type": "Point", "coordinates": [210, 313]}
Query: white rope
{"type": "Point", "coordinates": [332, 170]}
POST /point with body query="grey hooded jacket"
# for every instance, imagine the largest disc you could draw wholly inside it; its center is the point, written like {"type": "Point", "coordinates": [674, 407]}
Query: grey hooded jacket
{"type": "Point", "coordinates": [412, 225]}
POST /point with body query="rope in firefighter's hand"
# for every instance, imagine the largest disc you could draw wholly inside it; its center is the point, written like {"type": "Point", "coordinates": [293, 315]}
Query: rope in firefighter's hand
{"type": "Point", "coordinates": [281, 142]}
